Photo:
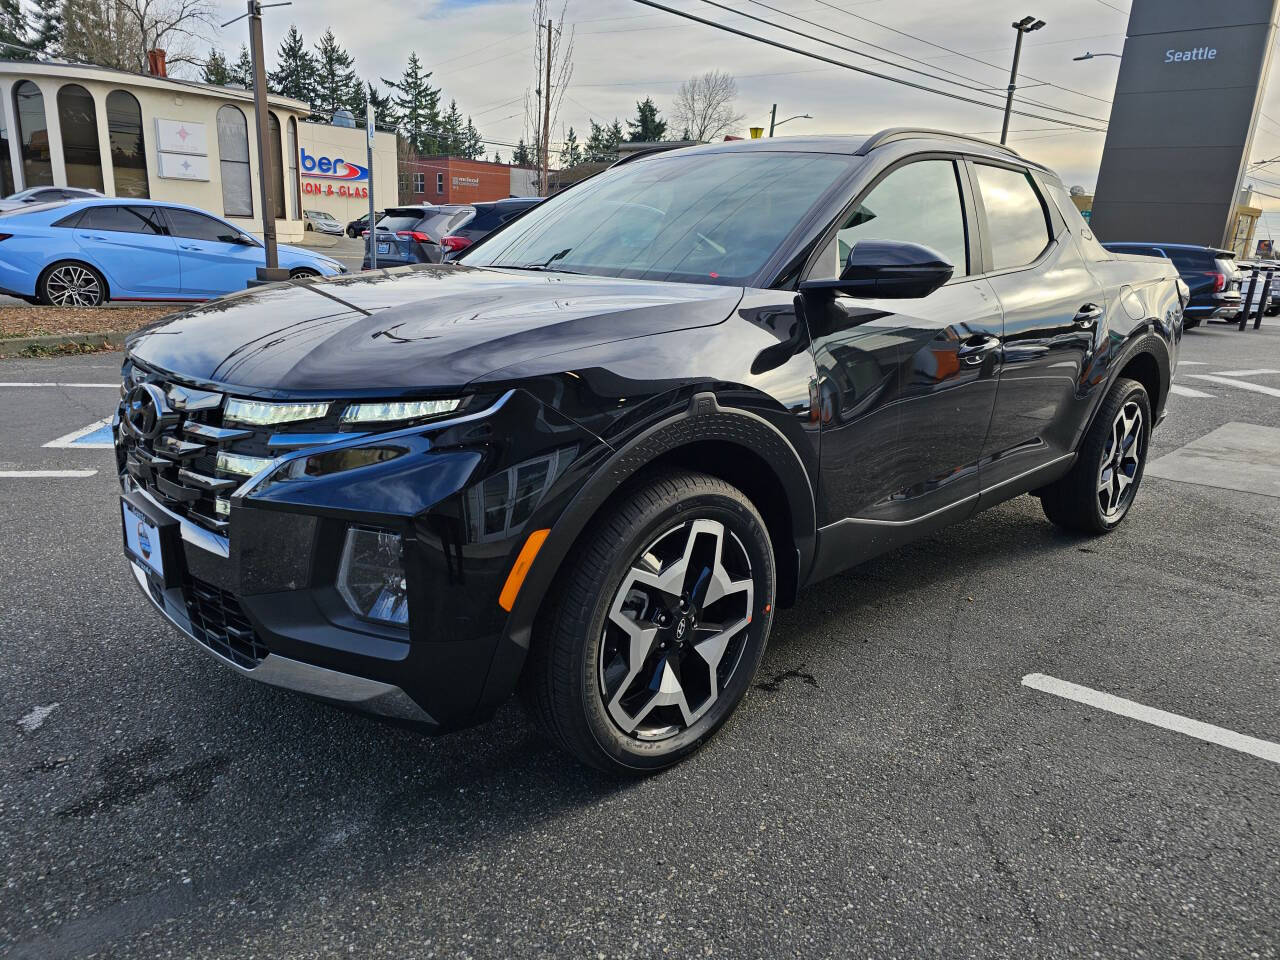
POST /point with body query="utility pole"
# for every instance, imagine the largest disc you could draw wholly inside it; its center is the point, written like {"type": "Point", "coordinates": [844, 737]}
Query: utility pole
{"type": "Point", "coordinates": [266, 163]}
{"type": "Point", "coordinates": [773, 115]}
{"type": "Point", "coordinates": [546, 119]}
{"type": "Point", "coordinates": [1025, 25]}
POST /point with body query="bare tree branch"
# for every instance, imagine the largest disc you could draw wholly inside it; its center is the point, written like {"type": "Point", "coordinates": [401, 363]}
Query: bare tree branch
{"type": "Point", "coordinates": [704, 106]}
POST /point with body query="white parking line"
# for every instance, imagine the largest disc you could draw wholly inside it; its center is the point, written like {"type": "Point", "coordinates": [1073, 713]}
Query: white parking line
{"type": "Point", "coordinates": [74, 438]}
{"type": "Point", "coordinates": [44, 474]}
{"type": "Point", "coordinates": [1187, 391]}
{"type": "Point", "coordinates": [1245, 373]}
{"type": "Point", "coordinates": [1263, 749]}
{"type": "Point", "coordinates": [1192, 363]}
{"type": "Point", "coordinates": [109, 386]}
{"type": "Point", "coordinates": [1242, 384]}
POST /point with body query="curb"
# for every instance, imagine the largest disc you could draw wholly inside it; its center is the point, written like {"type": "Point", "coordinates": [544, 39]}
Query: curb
{"type": "Point", "coordinates": [113, 339]}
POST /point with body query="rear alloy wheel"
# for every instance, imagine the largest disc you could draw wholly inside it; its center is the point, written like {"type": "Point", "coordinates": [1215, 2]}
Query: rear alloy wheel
{"type": "Point", "coordinates": [1100, 488]}
{"type": "Point", "coordinates": [303, 273]}
{"type": "Point", "coordinates": [73, 285]}
{"type": "Point", "coordinates": [655, 629]}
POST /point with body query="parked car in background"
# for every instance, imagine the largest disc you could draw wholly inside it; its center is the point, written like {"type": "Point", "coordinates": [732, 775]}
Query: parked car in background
{"type": "Point", "coordinates": [85, 252]}
{"type": "Point", "coordinates": [422, 233]}
{"type": "Point", "coordinates": [46, 195]}
{"type": "Point", "coordinates": [490, 216]}
{"type": "Point", "coordinates": [322, 222]}
{"type": "Point", "coordinates": [1247, 270]}
{"type": "Point", "coordinates": [591, 459]}
{"type": "Point", "coordinates": [1210, 273]}
{"type": "Point", "coordinates": [360, 224]}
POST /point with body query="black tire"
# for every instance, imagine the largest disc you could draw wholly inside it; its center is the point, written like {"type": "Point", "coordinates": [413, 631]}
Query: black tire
{"type": "Point", "coordinates": [575, 652]}
{"type": "Point", "coordinates": [303, 272]}
{"type": "Point", "coordinates": [1190, 324]}
{"type": "Point", "coordinates": [1076, 501]}
{"type": "Point", "coordinates": [72, 283]}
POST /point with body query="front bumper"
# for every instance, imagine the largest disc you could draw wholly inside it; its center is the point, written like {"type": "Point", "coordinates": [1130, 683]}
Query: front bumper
{"type": "Point", "coordinates": [260, 593]}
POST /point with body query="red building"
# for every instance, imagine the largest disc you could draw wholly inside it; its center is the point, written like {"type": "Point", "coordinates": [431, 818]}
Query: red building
{"type": "Point", "coordinates": [445, 179]}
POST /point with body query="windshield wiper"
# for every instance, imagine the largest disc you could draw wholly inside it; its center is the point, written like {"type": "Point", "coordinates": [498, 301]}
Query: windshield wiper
{"type": "Point", "coordinates": [545, 264]}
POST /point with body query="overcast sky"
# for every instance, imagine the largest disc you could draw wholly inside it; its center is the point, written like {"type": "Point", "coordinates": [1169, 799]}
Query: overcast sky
{"type": "Point", "coordinates": [480, 52]}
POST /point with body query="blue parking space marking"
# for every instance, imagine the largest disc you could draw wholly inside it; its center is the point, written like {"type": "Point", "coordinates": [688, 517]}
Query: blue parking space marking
{"type": "Point", "coordinates": [96, 436]}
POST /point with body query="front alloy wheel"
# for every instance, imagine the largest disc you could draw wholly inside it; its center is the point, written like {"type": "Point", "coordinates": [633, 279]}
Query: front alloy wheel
{"type": "Point", "coordinates": [676, 629]}
{"type": "Point", "coordinates": [654, 628]}
{"type": "Point", "coordinates": [73, 285]}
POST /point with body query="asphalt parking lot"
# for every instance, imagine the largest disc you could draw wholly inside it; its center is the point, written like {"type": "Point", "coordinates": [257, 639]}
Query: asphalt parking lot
{"type": "Point", "coordinates": [891, 788]}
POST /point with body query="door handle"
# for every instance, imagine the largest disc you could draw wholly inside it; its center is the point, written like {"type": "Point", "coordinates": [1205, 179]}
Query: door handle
{"type": "Point", "coordinates": [189, 246]}
{"type": "Point", "coordinates": [1087, 316]}
{"type": "Point", "coordinates": [974, 350]}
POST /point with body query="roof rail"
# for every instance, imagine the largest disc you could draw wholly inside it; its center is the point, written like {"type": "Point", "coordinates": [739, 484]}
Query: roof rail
{"type": "Point", "coordinates": [894, 134]}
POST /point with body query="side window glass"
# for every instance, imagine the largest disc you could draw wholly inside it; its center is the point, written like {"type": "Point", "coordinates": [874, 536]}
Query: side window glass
{"type": "Point", "coordinates": [917, 203]}
{"type": "Point", "coordinates": [1016, 221]}
{"type": "Point", "coordinates": [120, 220]}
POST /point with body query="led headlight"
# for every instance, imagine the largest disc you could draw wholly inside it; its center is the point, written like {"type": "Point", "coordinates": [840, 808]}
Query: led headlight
{"type": "Point", "coordinates": [371, 576]}
{"type": "Point", "coordinates": [264, 414]}
{"type": "Point", "coordinates": [396, 412]}
{"type": "Point", "coordinates": [239, 464]}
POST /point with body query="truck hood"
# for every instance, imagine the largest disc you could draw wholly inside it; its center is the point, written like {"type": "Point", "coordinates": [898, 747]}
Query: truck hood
{"type": "Point", "coordinates": [400, 331]}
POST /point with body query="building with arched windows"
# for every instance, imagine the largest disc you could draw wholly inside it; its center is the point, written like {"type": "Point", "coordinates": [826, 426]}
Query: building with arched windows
{"type": "Point", "coordinates": [139, 135]}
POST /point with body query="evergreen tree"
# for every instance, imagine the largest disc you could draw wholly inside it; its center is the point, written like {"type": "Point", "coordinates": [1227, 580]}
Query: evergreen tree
{"type": "Point", "coordinates": [571, 152]}
{"type": "Point", "coordinates": [452, 131]}
{"type": "Point", "coordinates": [522, 156]}
{"type": "Point", "coordinates": [336, 85]}
{"type": "Point", "coordinates": [216, 70]}
{"type": "Point", "coordinates": [497, 157]}
{"type": "Point", "coordinates": [417, 106]}
{"type": "Point", "coordinates": [472, 145]}
{"type": "Point", "coordinates": [602, 145]}
{"type": "Point", "coordinates": [647, 127]}
{"type": "Point", "coordinates": [241, 71]}
{"type": "Point", "coordinates": [295, 72]}
{"type": "Point", "coordinates": [13, 30]}
{"type": "Point", "coordinates": [48, 25]}
{"type": "Point", "coordinates": [384, 111]}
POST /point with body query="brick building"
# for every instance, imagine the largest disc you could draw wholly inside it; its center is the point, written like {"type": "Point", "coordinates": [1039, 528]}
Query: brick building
{"type": "Point", "coordinates": [443, 179]}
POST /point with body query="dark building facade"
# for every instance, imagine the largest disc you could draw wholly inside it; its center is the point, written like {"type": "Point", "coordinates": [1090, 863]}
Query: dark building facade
{"type": "Point", "coordinates": [1182, 121]}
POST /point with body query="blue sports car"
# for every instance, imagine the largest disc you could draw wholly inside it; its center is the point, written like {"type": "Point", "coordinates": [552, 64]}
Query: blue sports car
{"type": "Point", "coordinates": [85, 252]}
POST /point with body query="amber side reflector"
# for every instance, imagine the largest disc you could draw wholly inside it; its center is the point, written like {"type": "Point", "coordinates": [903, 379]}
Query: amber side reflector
{"type": "Point", "coordinates": [507, 598]}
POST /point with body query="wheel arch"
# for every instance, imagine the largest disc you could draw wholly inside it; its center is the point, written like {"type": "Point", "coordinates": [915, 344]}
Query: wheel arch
{"type": "Point", "coordinates": [738, 446]}
{"type": "Point", "coordinates": [1144, 357]}
{"type": "Point", "coordinates": [79, 262]}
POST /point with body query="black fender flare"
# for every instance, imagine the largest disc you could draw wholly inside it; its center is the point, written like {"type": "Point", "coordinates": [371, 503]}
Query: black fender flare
{"type": "Point", "coordinates": [1143, 340]}
{"type": "Point", "coordinates": [703, 419]}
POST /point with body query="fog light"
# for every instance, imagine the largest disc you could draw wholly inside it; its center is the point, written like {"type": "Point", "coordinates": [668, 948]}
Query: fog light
{"type": "Point", "coordinates": [371, 576]}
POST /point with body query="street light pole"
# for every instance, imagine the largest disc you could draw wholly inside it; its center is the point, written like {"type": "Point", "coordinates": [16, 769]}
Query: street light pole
{"type": "Point", "coordinates": [266, 164]}
{"type": "Point", "coordinates": [774, 122]}
{"type": "Point", "coordinates": [1025, 25]}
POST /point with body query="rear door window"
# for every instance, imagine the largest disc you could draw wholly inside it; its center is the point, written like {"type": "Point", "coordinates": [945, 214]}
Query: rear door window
{"type": "Point", "coordinates": [121, 220]}
{"type": "Point", "coordinates": [1017, 222]}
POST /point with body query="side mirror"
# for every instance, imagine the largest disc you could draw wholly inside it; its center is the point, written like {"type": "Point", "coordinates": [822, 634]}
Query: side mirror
{"type": "Point", "coordinates": [890, 269]}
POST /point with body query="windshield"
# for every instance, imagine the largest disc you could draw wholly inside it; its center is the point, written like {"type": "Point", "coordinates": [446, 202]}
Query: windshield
{"type": "Point", "coordinates": [705, 218]}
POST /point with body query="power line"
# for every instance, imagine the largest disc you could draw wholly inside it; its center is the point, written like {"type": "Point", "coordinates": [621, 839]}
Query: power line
{"type": "Point", "coordinates": [938, 46]}
{"type": "Point", "coordinates": [859, 53]}
{"type": "Point", "coordinates": [982, 85]}
{"type": "Point", "coordinates": [856, 69]}
{"type": "Point", "coordinates": [1112, 6]}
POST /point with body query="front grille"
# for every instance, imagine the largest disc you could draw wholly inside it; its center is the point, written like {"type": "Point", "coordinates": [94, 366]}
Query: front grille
{"type": "Point", "coordinates": [218, 622]}
{"type": "Point", "coordinates": [179, 467]}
